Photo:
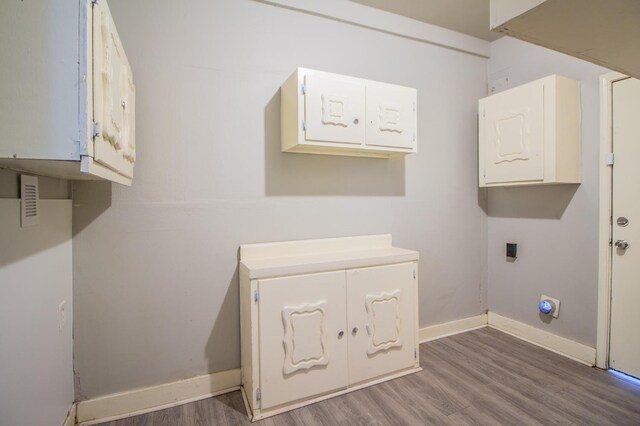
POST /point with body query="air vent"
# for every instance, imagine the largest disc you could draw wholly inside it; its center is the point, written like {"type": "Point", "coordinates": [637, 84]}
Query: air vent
{"type": "Point", "coordinates": [29, 206]}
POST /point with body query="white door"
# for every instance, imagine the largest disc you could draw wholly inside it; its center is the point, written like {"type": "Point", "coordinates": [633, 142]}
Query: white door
{"type": "Point", "coordinates": [381, 318]}
{"type": "Point", "coordinates": [625, 291]}
{"type": "Point", "coordinates": [303, 342]}
{"type": "Point", "coordinates": [512, 134]}
{"type": "Point", "coordinates": [334, 110]}
{"type": "Point", "coordinates": [391, 116]}
{"type": "Point", "coordinates": [113, 96]}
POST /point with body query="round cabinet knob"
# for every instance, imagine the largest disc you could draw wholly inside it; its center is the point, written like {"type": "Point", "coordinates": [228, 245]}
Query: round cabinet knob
{"type": "Point", "coordinates": [354, 331]}
{"type": "Point", "coordinates": [622, 244]}
{"type": "Point", "coordinates": [356, 121]}
{"type": "Point", "coordinates": [340, 334]}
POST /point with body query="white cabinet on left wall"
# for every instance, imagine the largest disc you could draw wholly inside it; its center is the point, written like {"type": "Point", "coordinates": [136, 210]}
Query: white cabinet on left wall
{"type": "Point", "coordinates": [67, 103]}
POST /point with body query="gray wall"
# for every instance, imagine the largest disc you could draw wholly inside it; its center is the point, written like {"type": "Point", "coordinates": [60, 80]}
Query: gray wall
{"type": "Point", "coordinates": [155, 265]}
{"type": "Point", "coordinates": [36, 361]}
{"type": "Point", "coordinates": [556, 227]}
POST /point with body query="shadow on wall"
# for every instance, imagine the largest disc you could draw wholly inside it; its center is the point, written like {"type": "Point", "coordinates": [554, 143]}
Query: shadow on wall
{"type": "Point", "coordinates": [533, 202]}
{"type": "Point", "coordinates": [33, 239]}
{"type": "Point", "coordinates": [313, 174]}
{"type": "Point", "coordinates": [226, 330]}
{"type": "Point", "coordinates": [20, 243]}
{"type": "Point", "coordinates": [90, 200]}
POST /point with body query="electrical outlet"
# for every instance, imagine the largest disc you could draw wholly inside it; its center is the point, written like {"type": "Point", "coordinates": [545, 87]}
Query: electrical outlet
{"type": "Point", "coordinates": [556, 302]}
{"type": "Point", "coordinates": [62, 315]}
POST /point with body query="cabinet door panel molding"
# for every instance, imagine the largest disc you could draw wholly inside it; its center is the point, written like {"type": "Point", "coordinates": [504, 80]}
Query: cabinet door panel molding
{"type": "Point", "coordinates": [305, 337]}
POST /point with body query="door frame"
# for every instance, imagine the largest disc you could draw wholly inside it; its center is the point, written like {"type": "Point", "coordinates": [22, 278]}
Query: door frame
{"type": "Point", "coordinates": [604, 217]}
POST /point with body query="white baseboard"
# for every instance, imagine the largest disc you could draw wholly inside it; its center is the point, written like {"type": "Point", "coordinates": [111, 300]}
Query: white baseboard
{"type": "Point", "coordinates": [450, 328]}
{"type": "Point", "coordinates": [71, 416]}
{"type": "Point", "coordinates": [140, 401]}
{"type": "Point", "coordinates": [560, 345]}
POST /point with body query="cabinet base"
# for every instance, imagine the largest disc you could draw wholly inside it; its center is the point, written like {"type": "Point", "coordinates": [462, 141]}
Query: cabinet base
{"type": "Point", "coordinates": [259, 414]}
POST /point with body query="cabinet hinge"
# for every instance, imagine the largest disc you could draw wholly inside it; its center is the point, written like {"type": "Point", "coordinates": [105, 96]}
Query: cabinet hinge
{"type": "Point", "coordinates": [414, 274]}
{"type": "Point", "coordinates": [95, 129]}
{"type": "Point", "coordinates": [94, 2]}
{"type": "Point", "coordinates": [256, 296]}
{"type": "Point", "coordinates": [258, 394]}
{"type": "Point", "coordinates": [609, 160]}
{"type": "Point", "coordinates": [304, 126]}
{"type": "Point", "coordinates": [415, 354]}
{"type": "Point", "coordinates": [303, 89]}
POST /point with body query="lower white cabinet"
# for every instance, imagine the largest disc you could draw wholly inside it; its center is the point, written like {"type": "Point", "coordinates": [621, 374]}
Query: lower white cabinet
{"type": "Point", "coordinates": [323, 323]}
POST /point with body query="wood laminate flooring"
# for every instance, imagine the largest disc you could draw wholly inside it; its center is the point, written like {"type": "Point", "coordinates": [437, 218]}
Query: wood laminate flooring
{"type": "Point", "coordinates": [482, 377]}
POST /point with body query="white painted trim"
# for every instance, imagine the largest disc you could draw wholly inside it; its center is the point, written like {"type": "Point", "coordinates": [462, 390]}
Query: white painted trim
{"type": "Point", "coordinates": [390, 23]}
{"type": "Point", "coordinates": [140, 401]}
{"type": "Point", "coordinates": [604, 221]}
{"type": "Point", "coordinates": [439, 331]}
{"type": "Point", "coordinates": [71, 416]}
{"type": "Point", "coordinates": [560, 345]}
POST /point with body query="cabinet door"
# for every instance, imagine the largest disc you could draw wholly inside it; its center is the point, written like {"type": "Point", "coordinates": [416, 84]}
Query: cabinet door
{"type": "Point", "coordinates": [113, 96]}
{"type": "Point", "coordinates": [391, 116]}
{"type": "Point", "coordinates": [301, 351]}
{"type": "Point", "coordinates": [512, 134]}
{"type": "Point", "coordinates": [334, 110]}
{"type": "Point", "coordinates": [381, 316]}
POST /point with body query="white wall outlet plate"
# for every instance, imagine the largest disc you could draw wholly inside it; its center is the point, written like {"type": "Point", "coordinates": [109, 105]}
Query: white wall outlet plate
{"type": "Point", "coordinates": [555, 301]}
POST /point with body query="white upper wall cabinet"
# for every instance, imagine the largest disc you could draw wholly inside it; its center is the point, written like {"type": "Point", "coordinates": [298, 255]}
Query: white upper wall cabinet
{"type": "Point", "coordinates": [68, 105]}
{"type": "Point", "coordinates": [325, 113]}
{"type": "Point", "coordinates": [530, 135]}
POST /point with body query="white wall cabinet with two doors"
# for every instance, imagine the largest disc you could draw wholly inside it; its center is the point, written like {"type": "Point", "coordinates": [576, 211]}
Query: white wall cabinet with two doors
{"type": "Point", "coordinates": [323, 317]}
{"type": "Point", "coordinates": [530, 134]}
{"type": "Point", "coordinates": [325, 113]}
{"type": "Point", "coordinates": [68, 98]}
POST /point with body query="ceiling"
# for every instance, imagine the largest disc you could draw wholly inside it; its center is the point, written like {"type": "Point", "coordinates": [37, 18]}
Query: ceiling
{"type": "Point", "coordinates": [466, 16]}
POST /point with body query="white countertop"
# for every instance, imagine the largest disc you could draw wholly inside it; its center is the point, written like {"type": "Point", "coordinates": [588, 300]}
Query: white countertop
{"type": "Point", "coordinates": [327, 261]}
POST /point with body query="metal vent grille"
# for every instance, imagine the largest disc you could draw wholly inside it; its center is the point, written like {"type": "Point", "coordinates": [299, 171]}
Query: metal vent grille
{"type": "Point", "coordinates": [29, 205]}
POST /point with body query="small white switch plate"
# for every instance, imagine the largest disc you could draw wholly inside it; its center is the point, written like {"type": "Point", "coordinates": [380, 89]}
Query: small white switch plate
{"type": "Point", "coordinates": [555, 301]}
{"type": "Point", "coordinates": [62, 314]}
